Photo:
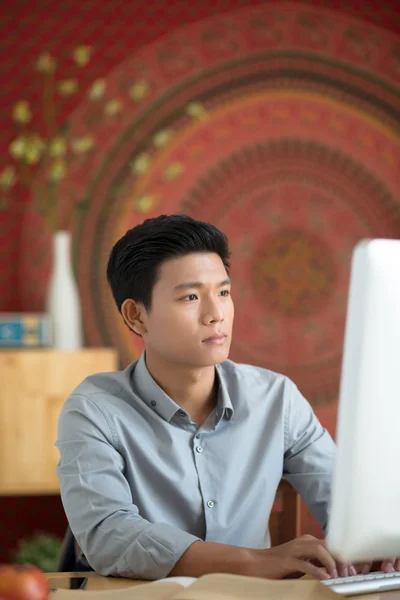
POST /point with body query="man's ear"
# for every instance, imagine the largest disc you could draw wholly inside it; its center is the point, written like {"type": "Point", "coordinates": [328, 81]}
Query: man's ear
{"type": "Point", "coordinates": [133, 313]}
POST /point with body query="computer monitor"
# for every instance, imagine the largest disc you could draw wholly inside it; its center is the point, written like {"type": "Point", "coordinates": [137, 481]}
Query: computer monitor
{"type": "Point", "coordinates": [364, 522]}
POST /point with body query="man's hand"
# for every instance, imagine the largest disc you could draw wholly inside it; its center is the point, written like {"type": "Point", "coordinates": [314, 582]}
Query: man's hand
{"type": "Point", "coordinates": [303, 555]}
{"type": "Point", "coordinates": [387, 566]}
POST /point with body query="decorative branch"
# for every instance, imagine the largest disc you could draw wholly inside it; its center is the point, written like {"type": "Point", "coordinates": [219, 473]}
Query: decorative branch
{"type": "Point", "coordinates": [30, 151]}
{"type": "Point", "coordinates": [50, 151]}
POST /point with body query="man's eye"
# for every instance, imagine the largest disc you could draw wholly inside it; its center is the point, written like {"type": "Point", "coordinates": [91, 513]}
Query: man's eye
{"type": "Point", "coordinates": [191, 297]}
{"type": "Point", "coordinates": [225, 292]}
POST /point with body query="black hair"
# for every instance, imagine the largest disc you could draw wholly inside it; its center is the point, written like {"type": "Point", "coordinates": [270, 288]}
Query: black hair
{"type": "Point", "coordinates": [135, 260]}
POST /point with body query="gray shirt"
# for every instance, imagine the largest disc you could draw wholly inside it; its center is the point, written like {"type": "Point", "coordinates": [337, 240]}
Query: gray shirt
{"type": "Point", "coordinates": [140, 482]}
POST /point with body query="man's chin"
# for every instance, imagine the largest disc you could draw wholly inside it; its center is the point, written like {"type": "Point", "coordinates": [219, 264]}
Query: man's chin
{"type": "Point", "coordinates": [215, 355]}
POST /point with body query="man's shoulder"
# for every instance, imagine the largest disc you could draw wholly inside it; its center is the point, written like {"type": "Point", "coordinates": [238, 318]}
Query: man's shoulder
{"type": "Point", "coordinates": [250, 386]}
{"type": "Point", "coordinates": [101, 383]}
{"type": "Point", "coordinates": [104, 389]}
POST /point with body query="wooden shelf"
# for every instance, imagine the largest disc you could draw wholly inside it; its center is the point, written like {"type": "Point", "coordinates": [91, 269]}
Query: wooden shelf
{"type": "Point", "coordinates": [34, 387]}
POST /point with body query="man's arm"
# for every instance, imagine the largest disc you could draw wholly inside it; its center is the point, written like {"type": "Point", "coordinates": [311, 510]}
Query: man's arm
{"type": "Point", "coordinates": [308, 466]}
{"type": "Point", "coordinates": [98, 501]}
{"type": "Point", "coordinates": [294, 558]}
{"type": "Point", "coordinates": [309, 455]}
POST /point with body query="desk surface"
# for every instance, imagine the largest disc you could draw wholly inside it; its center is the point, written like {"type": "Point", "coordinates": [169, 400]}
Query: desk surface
{"type": "Point", "coordinates": [98, 582]}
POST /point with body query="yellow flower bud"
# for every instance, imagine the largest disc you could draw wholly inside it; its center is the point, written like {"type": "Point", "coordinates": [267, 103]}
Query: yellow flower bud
{"type": "Point", "coordinates": [162, 138]}
{"type": "Point", "coordinates": [32, 155]}
{"type": "Point", "coordinates": [58, 170]}
{"type": "Point", "coordinates": [7, 177]}
{"type": "Point", "coordinates": [83, 144]}
{"type": "Point", "coordinates": [58, 146]}
{"type": "Point", "coordinates": [144, 203]}
{"type": "Point", "coordinates": [67, 87]}
{"type": "Point", "coordinates": [82, 55]}
{"type": "Point", "coordinates": [113, 107]}
{"type": "Point", "coordinates": [97, 89]}
{"type": "Point", "coordinates": [18, 146]}
{"type": "Point", "coordinates": [141, 164]}
{"type": "Point", "coordinates": [139, 90]}
{"type": "Point", "coordinates": [22, 112]}
{"type": "Point", "coordinates": [33, 149]}
{"type": "Point", "coordinates": [196, 110]}
{"type": "Point", "coordinates": [46, 63]}
{"type": "Point", "coordinates": [173, 171]}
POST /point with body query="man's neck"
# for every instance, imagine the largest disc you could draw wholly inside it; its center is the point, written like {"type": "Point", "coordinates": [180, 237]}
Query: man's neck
{"type": "Point", "coordinates": [192, 388]}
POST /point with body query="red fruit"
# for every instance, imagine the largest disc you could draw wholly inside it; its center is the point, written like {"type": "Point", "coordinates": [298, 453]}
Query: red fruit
{"type": "Point", "coordinates": [23, 582]}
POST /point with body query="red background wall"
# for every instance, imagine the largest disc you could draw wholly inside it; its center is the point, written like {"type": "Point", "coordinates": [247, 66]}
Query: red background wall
{"type": "Point", "coordinates": [115, 29]}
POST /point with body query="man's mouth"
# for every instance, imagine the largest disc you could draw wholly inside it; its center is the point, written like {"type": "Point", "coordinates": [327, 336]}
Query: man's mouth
{"type": "Point", "coordinates": [217, 339]}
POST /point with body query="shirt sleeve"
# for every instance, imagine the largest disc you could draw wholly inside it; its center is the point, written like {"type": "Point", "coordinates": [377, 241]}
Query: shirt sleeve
{"type": "Point", "coordinates": [309, 455]}
{"type": "Point", "coordinates": [98, 501]}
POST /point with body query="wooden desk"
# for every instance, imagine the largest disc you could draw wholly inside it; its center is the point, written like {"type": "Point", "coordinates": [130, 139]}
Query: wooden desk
{"type": "Point", "coordinates": [98, 582]}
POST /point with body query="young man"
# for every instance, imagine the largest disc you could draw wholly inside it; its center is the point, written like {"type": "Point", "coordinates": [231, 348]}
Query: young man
{"type": "Point", "coordinates": [171, 466]}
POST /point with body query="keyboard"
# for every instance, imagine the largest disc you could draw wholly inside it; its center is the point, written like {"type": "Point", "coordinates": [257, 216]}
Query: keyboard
{"type": "Point", "coordinates": [364, 584]}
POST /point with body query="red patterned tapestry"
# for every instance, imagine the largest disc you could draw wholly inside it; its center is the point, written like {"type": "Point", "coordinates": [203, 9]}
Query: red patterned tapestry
{"type": "Point", "coordinates": [277, 121]}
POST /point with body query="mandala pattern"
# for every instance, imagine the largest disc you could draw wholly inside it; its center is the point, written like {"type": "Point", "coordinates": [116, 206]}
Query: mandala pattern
{"type": "Point", "coordinates": [278, 123]}
{"type": "Point", "coordinates": [294, 272]}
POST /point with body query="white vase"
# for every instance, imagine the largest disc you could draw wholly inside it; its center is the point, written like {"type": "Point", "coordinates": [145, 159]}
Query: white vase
{"type": "Point", "coordinates": [63, 304]}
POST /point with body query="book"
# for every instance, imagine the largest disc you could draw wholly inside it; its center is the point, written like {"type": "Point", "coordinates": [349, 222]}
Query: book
{"type": "Point", "coordinates": [24, 330]}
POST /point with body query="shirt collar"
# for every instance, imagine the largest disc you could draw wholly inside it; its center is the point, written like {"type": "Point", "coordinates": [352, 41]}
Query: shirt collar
{"type": "Point", "coordinates": [224, 404]}
{"type": "Point", "coordinates": [151, 393]}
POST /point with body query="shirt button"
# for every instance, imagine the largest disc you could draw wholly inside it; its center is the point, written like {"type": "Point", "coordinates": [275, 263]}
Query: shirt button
{"type": "Point", "coordinates": [199, 449]}
{"type": "Point", "coordinates": [210, 504]}
{"type": "Point", "coordinates": [197, 436]}
{"type": "Point", "coordinates": [182, 414]}
{"type": "Point", "coordinates": [153, 403]}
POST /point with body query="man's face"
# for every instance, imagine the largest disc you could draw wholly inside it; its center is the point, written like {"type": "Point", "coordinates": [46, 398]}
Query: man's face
{"type": "Point", "coordinates": [191, 315]}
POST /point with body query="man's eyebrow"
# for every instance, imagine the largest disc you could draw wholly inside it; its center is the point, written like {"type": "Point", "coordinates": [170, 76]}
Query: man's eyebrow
{"type": "Point", "coordinates": [197, 285]}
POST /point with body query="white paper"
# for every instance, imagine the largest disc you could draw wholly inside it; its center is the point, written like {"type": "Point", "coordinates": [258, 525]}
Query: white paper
{"type": "Point", "coordinates": [183, 581]}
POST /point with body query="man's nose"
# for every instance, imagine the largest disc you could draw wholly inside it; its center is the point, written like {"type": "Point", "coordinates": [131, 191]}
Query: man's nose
{"type": "Point", "coordinates": [213, 313]}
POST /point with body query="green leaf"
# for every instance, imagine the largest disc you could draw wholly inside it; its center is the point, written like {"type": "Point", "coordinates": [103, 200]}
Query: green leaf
{"type": "Point", "coordinates": [41, 549]}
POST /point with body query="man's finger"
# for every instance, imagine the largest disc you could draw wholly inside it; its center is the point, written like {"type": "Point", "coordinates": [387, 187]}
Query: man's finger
{"type": "Point", "coordinates": [352, 570]}
{"type": "Point", "coordinates": [397, 564]}
{"type": "Point", "coordinates": [310, 569]}
{"type": "Point", "coordinates": [346, 570]}
{"type": "Point", "coordinates": [326, 559]}
{"type": "Point", "coordinates": [366, 568]}
{"type": "Point", "coordinates": [388, 565]}
{"type": "Point", "coordinates": [343, 571]}
{"type": "Point", "coordinates": [363, 568]}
